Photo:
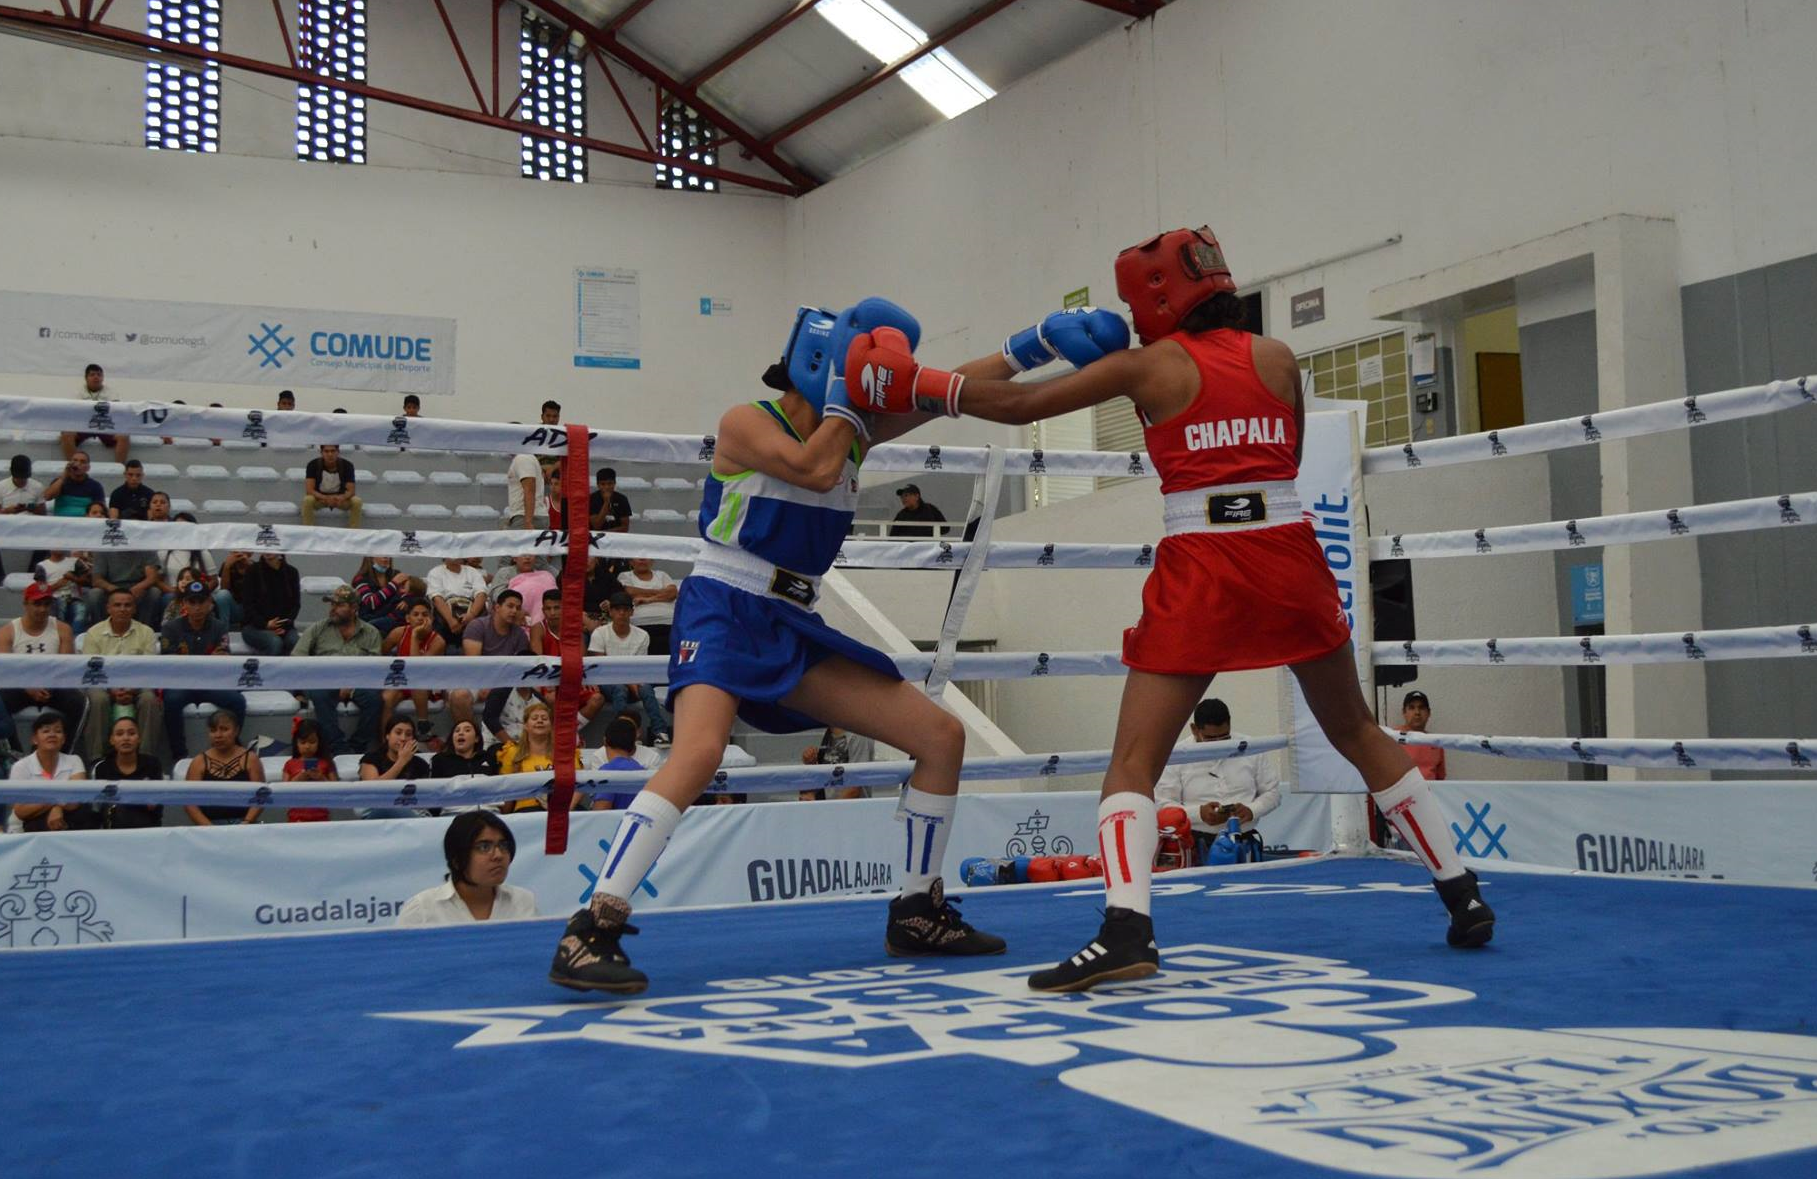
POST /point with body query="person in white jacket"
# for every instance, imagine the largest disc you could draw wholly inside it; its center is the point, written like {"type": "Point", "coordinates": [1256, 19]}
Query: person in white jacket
{"type": "Point", "coordinates": [1214, 792]}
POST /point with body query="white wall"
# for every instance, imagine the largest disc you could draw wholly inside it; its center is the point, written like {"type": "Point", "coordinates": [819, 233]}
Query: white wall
{"type": "Point", "coordinates": [496, 254]}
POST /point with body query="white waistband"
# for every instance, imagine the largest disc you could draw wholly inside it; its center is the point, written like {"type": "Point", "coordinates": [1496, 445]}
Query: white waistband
{"type": "Point", "coordinates": [748, 572]}
{"type": "Point", "coordinates": [1190, 511]}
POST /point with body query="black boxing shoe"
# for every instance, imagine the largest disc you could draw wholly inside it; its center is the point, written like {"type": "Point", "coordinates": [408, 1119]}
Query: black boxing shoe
{"type": "Point", "coordinates": [1472, 920]}
{"type": "Point", "coordinates": [1123, 950]}
{"type": "Point", "coordinates": [589, 958]}
{"type": "Point", "coordinates": [925, 923]}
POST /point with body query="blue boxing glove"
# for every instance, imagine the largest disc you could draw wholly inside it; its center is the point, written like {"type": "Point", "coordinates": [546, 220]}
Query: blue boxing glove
{"type": "Point", "coordinates": [1079, 334]}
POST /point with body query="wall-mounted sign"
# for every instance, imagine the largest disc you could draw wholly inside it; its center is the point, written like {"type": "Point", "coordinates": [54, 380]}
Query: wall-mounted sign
{"type": "Point", "coordinates": [1308, 307]}
{"type": "Point", "coordinates": [1078, 298]}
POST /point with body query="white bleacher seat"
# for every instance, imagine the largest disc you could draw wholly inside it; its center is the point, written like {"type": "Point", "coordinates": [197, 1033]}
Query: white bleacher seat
{"type": "Point", "coordinates": [401, 477]}
{"type": "Point", "coordinates": [279, 509]}
{"type": "Point", "coordinates": [237, 645]}
{"type": "Point", "coordinates": [490, 478]}
{"type": "Point", "coordinates": [673, 483]}
{"type": "Point", "coordinates": [207, 471]}
{"type": "Point", "coordinates": [321, 584]}
{"type": "Point", "coordinates": [180, 504]}
{"type": "Point", "coordinates": [160, 471]}
{"type": "Point", "coordinates": [296, 474]}
{"type": "Point", "coordinates": [383, 511]}
{"type": "Point", "coordinates": [430, 512]}
{"type": "Point", "coordinates": [224, 507]}
{"type": "Point", "coordinates": [107, 471]}
{"type": "Point", "coordinates": [476, 512]}
{"type": "Point", "coordinates": [239, 444]}
{"type": "Point", "coordinates": [270, 702]}
{"type": "Point", "coordinates": [259, 474]}
{"type": "Point", "coordinates": [450, 478]}
{"type": "Point", "coordinates": [662, 516]}
{"type": "Point", "coordinates": [46, 436]}
{"type": "Point", "coordinates": [633, 483]}
{"type": "Point", "coordinates": [18, 581]}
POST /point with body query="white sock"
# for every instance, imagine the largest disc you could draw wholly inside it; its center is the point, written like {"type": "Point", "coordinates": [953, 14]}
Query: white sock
{"type": "Point", "coordinates": [1126, 843]}
{"type": "Point", "coordinates": [1409, 806]}
{"type": "Point", "coordinates": [927, 820]}
{"type": "Point", "coordinates": [649, 822]}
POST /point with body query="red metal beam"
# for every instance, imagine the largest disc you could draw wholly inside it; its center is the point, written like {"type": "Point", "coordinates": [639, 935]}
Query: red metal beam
{"type": "Point", "coordinates": [104, 7]}
{"type": "Point", "coordinates": [80, 35]}
{"type": "Point", "coordinates": [636, 123]}
{"type": "Point", "coordinates": [624, 18]}
{"type": "Point", "coordinates": [801, 8]}
{"type": "Point", "coordinates": [496, 5]}
{"type": "Point", "coordinates": [1131, 8]}
{"type": "Point", "coordinates": [479, 99]}
{"type": "Point", "coordinates": [962, 25]}
{"type": "Point", "coordinates": [277, 10]}
{"type": "Point", "coordinates": [753, 147]}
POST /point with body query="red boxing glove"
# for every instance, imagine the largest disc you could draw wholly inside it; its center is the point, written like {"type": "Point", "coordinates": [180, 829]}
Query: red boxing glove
{"type": "Point", "coordinates": [882, 377]}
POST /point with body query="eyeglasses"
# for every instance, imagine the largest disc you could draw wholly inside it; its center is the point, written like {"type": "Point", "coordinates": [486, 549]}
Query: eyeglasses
{"type": "Point", "coordinates": [486, 847]}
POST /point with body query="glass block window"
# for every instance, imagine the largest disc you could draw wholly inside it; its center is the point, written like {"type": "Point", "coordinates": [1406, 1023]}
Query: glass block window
{"type": "Point", "coordinates": [684, 135]}
{"type": "Point", "coordinates": [183, 103]}
{"type": "Point", "coordinates": [1372, 370]}
{"type": "Point", "coordinates": [555, 96]}
{"type": "Point", "coordinates": [331, 41]}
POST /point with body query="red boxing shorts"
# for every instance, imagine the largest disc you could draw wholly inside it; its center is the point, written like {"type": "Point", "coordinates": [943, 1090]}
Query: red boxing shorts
{"type": "Point", "coordinates": [1236, 601]}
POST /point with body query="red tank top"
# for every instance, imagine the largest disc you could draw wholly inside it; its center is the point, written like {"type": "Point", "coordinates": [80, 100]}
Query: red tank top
{"type": "Point", "coordinates": [1235, 430]}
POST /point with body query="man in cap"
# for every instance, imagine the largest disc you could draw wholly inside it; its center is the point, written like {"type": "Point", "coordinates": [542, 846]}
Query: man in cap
{"type": "Point", "coordinates": [916, 509]}
{"type": "Point", "coordinates": [342, 633]}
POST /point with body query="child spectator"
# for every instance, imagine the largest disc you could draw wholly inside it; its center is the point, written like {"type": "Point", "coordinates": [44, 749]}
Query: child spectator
{"type": "Point", "coordinates": [417, 637]}
{"type": "Point", "coordinates": [308, 764]}
{"type": "Point", "coordinates": [653, 593]}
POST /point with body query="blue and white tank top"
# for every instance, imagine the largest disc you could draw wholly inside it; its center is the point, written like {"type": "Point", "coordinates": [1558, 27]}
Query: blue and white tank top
{"type": "Point", "coordinates": [788, 526]}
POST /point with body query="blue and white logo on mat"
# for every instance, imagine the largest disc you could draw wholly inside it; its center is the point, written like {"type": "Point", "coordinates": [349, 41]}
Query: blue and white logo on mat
{"type": "Point", "coordinates": [1309, 1058]}
{"type": "Point", "coordinates": [1479, 839]}
{"type": "Point", "coordinates": [270, 346]}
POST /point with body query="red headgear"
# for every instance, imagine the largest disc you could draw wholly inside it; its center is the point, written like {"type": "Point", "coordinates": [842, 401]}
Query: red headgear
{"type": "Point", "coordinates": [1168, 275]}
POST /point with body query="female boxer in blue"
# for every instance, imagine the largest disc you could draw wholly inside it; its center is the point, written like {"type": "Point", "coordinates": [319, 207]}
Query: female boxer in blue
{"type": "Point", "coordinates": [747, 643]}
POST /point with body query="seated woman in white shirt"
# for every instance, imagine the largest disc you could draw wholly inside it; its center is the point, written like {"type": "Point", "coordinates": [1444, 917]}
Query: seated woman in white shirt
{"type": "Point", "coordinates": [48, 763]}
{"type": "Point", "coordinates": [479, 849]}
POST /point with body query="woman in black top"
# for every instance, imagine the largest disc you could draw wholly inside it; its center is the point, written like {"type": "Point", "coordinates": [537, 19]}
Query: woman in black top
{"type": "Point", "coordinates": [225, 760]}
{"type": "Point", "coordinates": [125, 765]}
{"type": "Point", "coordinates": [393, 759]}
{"type": "Point", "coordinates": [463, 754]}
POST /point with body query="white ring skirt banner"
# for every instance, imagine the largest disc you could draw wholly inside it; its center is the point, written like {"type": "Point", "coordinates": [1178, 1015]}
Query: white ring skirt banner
{"type": "Point", "coordinates": [441, 672]}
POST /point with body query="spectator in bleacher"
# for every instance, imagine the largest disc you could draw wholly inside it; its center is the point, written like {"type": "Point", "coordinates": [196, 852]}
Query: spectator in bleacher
{"type": "Point", "coordinates": [272, 596]}
{"type": "Point", "coordinates": [478, 848]}
{"type": "Point", "coordinates": [214, 405]}
{"type": "Point", "coordinates": [916, 510]}
{"type": "Point", "coordinates": [620, 638]}
{"type": "Point", "coordinates": [134, 570]}
{"type": "Point", "coordinates": [837, 747]}
{"type": "Point", "coordinates": [20, 493]}
{"type": "Point", "coordinates": [286, 400]}
{"type": "Point", "coordinates": [196, 631]}
{"type": "Point", "coordinates": [379, 584]}
{"type": "Point", "coordinates": [94, 387]}
{"type": "Point", "coordinates": [523, 492]}
{"type": "Point", "coordinates": [531, 584]}
{"type": "Point", "coordinates": [499, 633]}
{"type": "Point", "coordinates": [73, 489]}
{"type": "Point", "coordinates": [308, 763]}
{"type": "Point", "coordinates": [618, 753]}
{"type": "Point", "coordinates": [66, 576]}
{"type": "Point", "coordinates": [653, 593]}
{"type": "Point", "coordinates": [545, 639]}
{"type": "Point", "coordinates": [607, 508]}
{"type": "Point", "coordinates": [225, 760]}
{"type": "Point", "coordinates": [342, 633]}
{"type": "Point", "coordinates": [127, 762]}
{"type": "Point", "coordinates": [233, 580]}
{"type": "Point", "coordinates": [1416, 714]}
{"type": "Point", "coordinates": [552, 413]}
{"type": "Point", "coordinates": [533, 752]}
{"type": "Point", "coordinates": [328, 482]}
{"type": "Point", "coordinates": [35, 632]}
{"type": "Point", "coordinates": [392, 758]}
{"type": "Point", "coordinates": [413, 405]}
{"type": "Point", "coordinates": [119, 633]}
{"type": "Point", "coordinates": [417, 637]}
{"type": "Point", "coordinates": [132, 499]}
{"type": "Point", "coordinates": [182, 566]}
{"type": "Point", "coordinates": [48, 763]}
{"type": "Point", "coordinates": [457, 594]}
{"type": "Point", "coordinates": [464, 753]}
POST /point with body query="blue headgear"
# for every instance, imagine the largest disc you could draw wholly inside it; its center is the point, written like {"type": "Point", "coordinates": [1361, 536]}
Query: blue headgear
{"type": "Point", "coordinates": [819, 341]}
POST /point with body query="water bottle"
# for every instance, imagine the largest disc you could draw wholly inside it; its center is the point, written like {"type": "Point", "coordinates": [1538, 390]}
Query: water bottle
{"type": "Point", "coordinates": [1224, 849]}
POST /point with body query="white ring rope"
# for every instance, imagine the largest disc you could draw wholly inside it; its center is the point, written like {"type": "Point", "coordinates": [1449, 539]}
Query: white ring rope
{"type": "Point", "coordinates": [444, 672]}
{"type": "Point", "coordinates": [473, 790]}
{"type": "Point", "coordinates": [1634, 421]}
{"type": "Point", "coordinates": [1739, 515]}
{"type": "Point", "coordinates": [1754, 642]}
{"type": "Point", "coordinates": [1759, 753]}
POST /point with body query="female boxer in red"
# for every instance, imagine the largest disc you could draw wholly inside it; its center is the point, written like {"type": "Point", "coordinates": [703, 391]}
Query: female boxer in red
{"type": "Point", "coordinates": [1239, 582]}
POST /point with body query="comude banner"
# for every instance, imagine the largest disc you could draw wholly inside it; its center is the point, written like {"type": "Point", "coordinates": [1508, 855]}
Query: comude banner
{"type": "Point", "coordinates": [223, 344]}
{"type": "Point", "coordinates": [188, 882]}
{"type": "Point", "coordinates": [1749, 832]}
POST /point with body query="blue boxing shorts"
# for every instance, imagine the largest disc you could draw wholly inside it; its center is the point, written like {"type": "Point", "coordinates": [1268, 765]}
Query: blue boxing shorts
{"type": "Point", "coordinates": [757, 648]}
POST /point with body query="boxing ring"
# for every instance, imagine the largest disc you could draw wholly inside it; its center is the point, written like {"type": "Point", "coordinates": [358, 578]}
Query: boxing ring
{"type": "Point", "coordinates": [1598, 1036]}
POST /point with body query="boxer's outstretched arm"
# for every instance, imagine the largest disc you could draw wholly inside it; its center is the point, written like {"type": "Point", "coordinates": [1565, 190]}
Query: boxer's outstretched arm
{"type": "Point", "coordinates": [1161, 380]}
{"type": "Point", "coordinates": [890, 428]}
{"type": "Point", "coordinates": [749, 440]}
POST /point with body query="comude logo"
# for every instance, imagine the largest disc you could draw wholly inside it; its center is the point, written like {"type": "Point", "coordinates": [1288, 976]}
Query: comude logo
{"type": "Point", "coordinates": [1786, 514]}
{"type": "Point", "coordinates": [267, 538]}
{"type": "Point", "coordinates": [1495, 444]}
{"type": "Point", "coordinates": [35, 912]}
{"type": "Point", "coordinates": [1482, 541]}
{"type": "Point", "coordinates": [397, 675]}
{"type": "Point", "coordinates": [1588, 647]}
{"type": "Point", "coordinates": [1573, 535]}
{"type": "Point", "coordinates": [1408, 654]}
{"type": "Point", "coordinates": [1591, 433]}
{"type": "Point", "coordinates": [944, 556]}
{"type": "Point", "coordinates": [1051, 766]}
{"type": "Point", "coordinates": [1479, 825]}
{"type": "Point", "coordinates": [1394, 547]}
{"type": "Point", "coordinates": [1047, 555]}
{"type": "Point", "coordinates": [1037, 463]}
{"type": "Point", "coordinates": [932, 461]}
{"type": "Point", "coordinates": [1692, 650]}
{"type": "Point", "coordinates": [1495, 651]}
{"type": "Point", "coordinates": [1312, 1059]}
{"type": "Point", "coordinates": [1135, 464]}
{"type": "Point", "coordinates": [1797, 756]}
{"type": "Point", "coordinates": [1145, 556]}
{"type": "Point", "coordinates": [708, 445]}
{"type": "Point", "coordinates": [101, 417]}
{"type": "Point", "coordinates": [1674, 525]}
{"type": "Point", "coordinates": [113, 536]}
{"type": "Point", "coordinates": [94, 674]}
{"type": "Point", "coordinates": [1413, 460]}
{"type": "Point", "coordinates": [254, 430]}
{"type": "Point", "coordinates": [249, 674]}
{"type": "Point", "coordinates": [270, 346]}
{"type": "Point", "coordinates": [1680, 755]}
{"type": "Point", "coordinates": [1040, 667]}
{"type": "Point", "coordinates": [1693, 415]}
{"type": "Point", "coordinates": [405, 796]}
{"type": "Point", "coordinates": [410, 544]}
{"type": "Point", "coordinates": [1807, 642]}
{"type": "Point", "coordinates": [400, 432]}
